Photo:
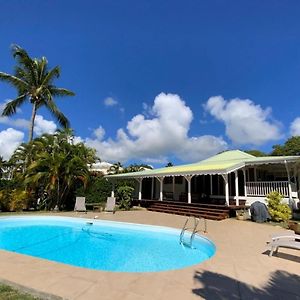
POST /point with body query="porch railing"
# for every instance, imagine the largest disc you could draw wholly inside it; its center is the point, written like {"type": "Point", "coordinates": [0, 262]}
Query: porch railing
{"type": "Point", "coordinates": [263, 188]}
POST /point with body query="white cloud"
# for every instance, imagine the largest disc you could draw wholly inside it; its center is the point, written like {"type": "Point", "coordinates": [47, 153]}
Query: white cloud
{"type": "Point", "coordinates": [77, 140]}
{"type": "Point", "coordinates": [245, 122]}
{"type": "Point", "coordinates": [42, 125]}
{"type": "Point", "coordinates": [295, 127]}
{"type": "Point", "coordinates": [155, 138]}
{"type": "Point", "coordinates": [99, 133]}
{"type": "Point", "coordinates": [101, 166]}
{"type": "Point", "coordinates": [109, 101]}
{"type": "Point", "coordinates": [10, 139]}
{"type": "Point", "coordinates": [20, 123]}
{"type": "Point", "coordinates": [203, 144]}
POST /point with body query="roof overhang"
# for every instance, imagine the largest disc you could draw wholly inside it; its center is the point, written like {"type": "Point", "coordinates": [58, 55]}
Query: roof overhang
{"type": "Point", "coordinates": [190, 170]}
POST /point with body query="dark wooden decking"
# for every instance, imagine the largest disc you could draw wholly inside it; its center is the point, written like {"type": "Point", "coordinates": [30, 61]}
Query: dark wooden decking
{"type": "Point", "coordinates": [203, 210]}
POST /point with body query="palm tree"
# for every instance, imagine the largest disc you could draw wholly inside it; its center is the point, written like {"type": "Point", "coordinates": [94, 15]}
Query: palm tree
{"type": "Point", "coordinates": [137, 168]}
{"type": "Point", "coordinates": [2, 164]}
{"type": "Point", "coordinates": [33, 81]}
{"type": "Point", "coordinates": [116, 168]}
{"type": "Point", "coordinates": [58, 167]}
{"type": "Point", "coordinates": [169, 164]}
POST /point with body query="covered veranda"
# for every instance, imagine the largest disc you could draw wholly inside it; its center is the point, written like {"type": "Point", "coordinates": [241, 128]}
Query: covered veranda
{"type": "Point", "coordinates": [231, 178]}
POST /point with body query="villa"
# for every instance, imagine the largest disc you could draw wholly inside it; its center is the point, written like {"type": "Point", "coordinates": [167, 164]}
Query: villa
{"type": "Point", "coordinates": [232, 178]}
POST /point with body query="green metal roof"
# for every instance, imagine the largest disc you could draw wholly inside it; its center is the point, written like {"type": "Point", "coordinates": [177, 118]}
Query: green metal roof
{"type": "Point", "coordinates": [222, 163]}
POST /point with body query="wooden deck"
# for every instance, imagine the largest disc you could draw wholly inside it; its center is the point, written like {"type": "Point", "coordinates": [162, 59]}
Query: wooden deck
{"type": "Point", "coordinates": [202, 210]}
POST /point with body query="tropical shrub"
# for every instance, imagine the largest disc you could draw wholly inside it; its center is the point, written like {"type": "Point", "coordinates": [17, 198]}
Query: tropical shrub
{"type": "Point", "coordinates": [19, 200]}
{"type": "Point", "coordinates": [7, 188]}
{"type": "Point", "coordinates": [124, 196]}
{"type": "Point", "coordinates": [5, 197]}
{"type": "Point", "coordinates": [278, 210]}
{"type": "Point", "coordinates": [97, 190]}
{"type": "Point", "coordinates": [54, 165]}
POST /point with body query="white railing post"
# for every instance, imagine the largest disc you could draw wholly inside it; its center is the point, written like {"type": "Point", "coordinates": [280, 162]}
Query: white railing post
{"type": "Point", "coordinates": [289, 180]}
{"type": "Point", "coordinates": [225, 177]}
{"type": "Point", "coordinates": [139, 180]}
{"type": "Point", "coordinates": [113, 190]}
{"type": "Point", "coordinates": [237, 199]}
{"type": "Point", "coordinates": [189, 180]}
{"type": "Point", "coordinates": [245, 183]}
{"type": "Point", "coordinates": [262, 188]}
{"type": "Point", "coordinates": [161, 186]}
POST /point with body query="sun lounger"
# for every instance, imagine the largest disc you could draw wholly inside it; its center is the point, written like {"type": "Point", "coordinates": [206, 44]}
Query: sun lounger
{"type": "Point", "coordinates": [285, 235]}
{"type": "Point", "coordinates": [110, 204]}
{"type": "Point", "coordinates": [80, 204]}
{"type": "Point", "coordinates": [284, 243]}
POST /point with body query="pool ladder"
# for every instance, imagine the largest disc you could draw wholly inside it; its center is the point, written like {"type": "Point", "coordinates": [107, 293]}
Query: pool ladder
{"type": "Point", "coordinates": [185, 228]}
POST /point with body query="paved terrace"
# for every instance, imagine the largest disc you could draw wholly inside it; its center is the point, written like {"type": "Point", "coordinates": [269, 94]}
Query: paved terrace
{"type": "Point", "coordinates": [241, 268]}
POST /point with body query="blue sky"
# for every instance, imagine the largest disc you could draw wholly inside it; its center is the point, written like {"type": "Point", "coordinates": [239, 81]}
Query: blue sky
{"type": "Point", "coordinates": [159, 81]}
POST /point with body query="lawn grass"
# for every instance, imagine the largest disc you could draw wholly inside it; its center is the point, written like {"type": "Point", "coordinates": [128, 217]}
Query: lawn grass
{"type": "Point", "coordinates": [9, 293]}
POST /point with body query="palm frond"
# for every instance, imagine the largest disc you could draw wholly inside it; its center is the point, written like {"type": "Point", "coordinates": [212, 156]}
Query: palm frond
{"type": "Point", "coordinates": [58, 115]}
{"type": "Point", "coordinates": [13, 80]}
{"type": "Point", "coordinates": [11, 107]}
{"type": "Point", "coordinates": [42, 68]}
{"type": "Point", "coordinates": [24, 59]}
{"type": "Point", "coordinates": [54, 73]}
{"type": "Point", "coordinates": [60, 92]}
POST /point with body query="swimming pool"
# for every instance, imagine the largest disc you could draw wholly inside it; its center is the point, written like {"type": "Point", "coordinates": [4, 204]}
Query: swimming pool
{"type": "Point", "coordinates": [102, 245]}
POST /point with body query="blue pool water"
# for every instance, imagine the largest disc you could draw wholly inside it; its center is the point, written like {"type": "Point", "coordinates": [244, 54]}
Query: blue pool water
{"type": "Point", "coordinates": [104, 245]}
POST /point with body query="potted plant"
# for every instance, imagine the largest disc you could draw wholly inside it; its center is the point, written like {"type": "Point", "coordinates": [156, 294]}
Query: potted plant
{"type": "Point", "coordinates": [242, 214]}
{"type": "Point", "coordinates": [294, 226]}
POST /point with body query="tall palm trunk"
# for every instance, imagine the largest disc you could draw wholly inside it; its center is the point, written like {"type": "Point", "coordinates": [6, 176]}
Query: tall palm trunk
{"type": "Point", "coordinates": [31, 125]}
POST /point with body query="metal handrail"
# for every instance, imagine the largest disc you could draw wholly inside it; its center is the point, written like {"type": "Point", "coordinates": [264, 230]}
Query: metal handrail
{"type": "Point", "coordinates": [184, 228]}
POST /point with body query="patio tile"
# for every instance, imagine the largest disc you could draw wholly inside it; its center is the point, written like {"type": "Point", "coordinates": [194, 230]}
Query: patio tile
{"type": "Point", "coordinates": [239, 270]}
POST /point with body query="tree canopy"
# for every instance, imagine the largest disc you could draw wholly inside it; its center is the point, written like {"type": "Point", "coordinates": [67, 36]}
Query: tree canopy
{"type": "Point", "coordinates": [34, 83]}
{"type": "Point", "coordinates": [256, 153]}
{"type": "Point", "coordinates": [290, 147]}
{"type": "Point", "coordinates": [50, 165]}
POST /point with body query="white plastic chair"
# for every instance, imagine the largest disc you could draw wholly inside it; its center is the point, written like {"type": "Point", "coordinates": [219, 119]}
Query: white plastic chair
{"type": "Point", "coordinates": [110, 204]}
{"type": "Point", "coordinates": [80, 204]}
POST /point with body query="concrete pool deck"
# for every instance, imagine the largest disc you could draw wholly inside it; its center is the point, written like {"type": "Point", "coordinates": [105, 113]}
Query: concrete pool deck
{"type": "Point", "coordinates": [240, 269]}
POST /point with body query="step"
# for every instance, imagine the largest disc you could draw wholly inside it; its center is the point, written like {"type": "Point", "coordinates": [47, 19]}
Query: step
{"type": "Point", "coordinates": [202, 215]}
{"type": "Point", "coordinates": [190, 205]}
{"type": "Point", "coordinates": [187, 213]}
{"type": "Point", "coordinates": [189, 208]}
{"type": "Point", "coordinates": [198, 210]}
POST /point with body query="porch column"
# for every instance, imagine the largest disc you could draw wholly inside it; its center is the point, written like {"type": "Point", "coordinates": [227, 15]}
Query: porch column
{"type": "Point", "coordinates": [189, 180]}
{"type": "Point", "coordinates": [161, 186]}
{"type": "Point", "coordinates": [113, 190]}
{"type": "Point", "coordinates": [245, 183]}
{"type": "Point", "coordinates": [139, 180]}
{"type": "Point", "coordinates": [225, 177]}
{"type": "Point", "coordinates": [211, 182]}
{"type": "Point", "coordinates": [289, 180]}
{"type": "Point", "coordinates": [237, 199]}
